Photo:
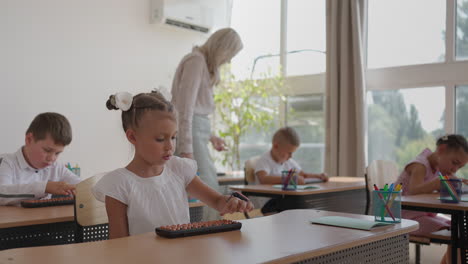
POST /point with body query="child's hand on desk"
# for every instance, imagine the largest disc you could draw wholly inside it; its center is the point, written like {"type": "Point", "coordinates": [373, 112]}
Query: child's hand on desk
{"type": "Point", "coordinates": [323, 177]}
{"type": "Point", "coordinates": [300, 180]}
{"type": "Point", "coordinates": [60, 188]}
{"type": "Point", "coordinates": [233, 204]}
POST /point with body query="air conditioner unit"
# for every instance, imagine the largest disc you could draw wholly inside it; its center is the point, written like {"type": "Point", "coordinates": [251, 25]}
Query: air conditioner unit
{"type": "Point", "coordinates": [189, 14]}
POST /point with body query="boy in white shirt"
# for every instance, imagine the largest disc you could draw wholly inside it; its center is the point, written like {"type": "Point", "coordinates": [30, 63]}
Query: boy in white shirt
{"type": "Point", "coordinates": [270, 165]}
{"type": "Point", "coordinates": [32, 172]}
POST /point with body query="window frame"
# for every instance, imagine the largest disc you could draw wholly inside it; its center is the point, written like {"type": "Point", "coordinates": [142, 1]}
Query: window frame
{"type": "Point", "coordinates": [449, 73]}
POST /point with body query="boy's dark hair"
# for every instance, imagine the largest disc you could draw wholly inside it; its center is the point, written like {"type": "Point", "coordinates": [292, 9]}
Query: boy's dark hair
{"type": "Point", "coordinates": [141, 103]}
{"type": "Point", "coordinates": [454, 142]}
{"type": "Point", "coordinates": [287, 135]}
{"type": "Point", "coordinates": [53, 124]}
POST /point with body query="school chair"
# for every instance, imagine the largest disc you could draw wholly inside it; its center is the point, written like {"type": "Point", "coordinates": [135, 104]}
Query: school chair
{"type": "Point", "coordinates": [249, 170]}
{"type": "Point", "coordinates": [379, 172]}
{"type": "Point", "coordinates": [90, 214]}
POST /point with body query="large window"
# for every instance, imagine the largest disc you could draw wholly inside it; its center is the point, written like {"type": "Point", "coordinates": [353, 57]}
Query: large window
{"type": "Point", "coordinates": [462, 30]}
{"type": "Point", "coordinates": [461, 118]}
{"type": "Point", "coordinates": [258, 24]}
{"type": "Point", "coordinates": [403, 122]}
{"type": "Point", "coordinates": [306, 37]}
{"type": "Point", "coordinates": [305, 114]}
{"type": "Point", "coordinates": [425, 49]}
{"type": "Point", "coordinates": [402, 32]}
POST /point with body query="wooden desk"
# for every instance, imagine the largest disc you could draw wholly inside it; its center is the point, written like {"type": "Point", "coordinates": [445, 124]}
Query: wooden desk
{"type": "Point", "coordinates": [230, 178]}
{"type": "Point", "coordinates": [13, 216]}
{"type": "Point", "coordinates": [29, 227]}
{"type": "Point", "coordinates": [459, 229]}
{"type": "Point", "coordinates": [26, 227]}
{"type": "Point", "coordinates": [282, 238]}
{"type": "Point", "coordinates": [342, 194]}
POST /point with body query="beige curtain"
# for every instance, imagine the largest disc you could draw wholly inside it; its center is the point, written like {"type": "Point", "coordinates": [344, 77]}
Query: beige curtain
{"type": "Point", "coordinates": [345, 88]}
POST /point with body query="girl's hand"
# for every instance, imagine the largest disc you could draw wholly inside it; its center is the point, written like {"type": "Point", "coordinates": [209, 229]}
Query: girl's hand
{"type": "Point", "coordinates": [218, 143]}
{"type": "Point", "coordinates": [233, 204]}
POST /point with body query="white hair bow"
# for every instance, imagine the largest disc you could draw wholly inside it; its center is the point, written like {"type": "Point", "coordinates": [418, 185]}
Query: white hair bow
{"type": "Point", "coordinates": [123, 100]}
{"type": "Point", "coordinates": [164, 91]}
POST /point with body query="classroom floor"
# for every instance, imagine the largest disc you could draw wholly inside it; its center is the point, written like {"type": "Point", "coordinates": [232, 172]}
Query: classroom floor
{"type": "Point", "coordinates": [429, 254]}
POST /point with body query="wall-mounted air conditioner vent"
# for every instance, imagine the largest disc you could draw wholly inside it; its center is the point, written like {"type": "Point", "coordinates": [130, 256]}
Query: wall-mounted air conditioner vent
{"type": "Point", "coordinates": [189, 14]}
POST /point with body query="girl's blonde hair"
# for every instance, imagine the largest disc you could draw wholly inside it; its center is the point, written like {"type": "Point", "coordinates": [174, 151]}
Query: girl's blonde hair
{"type": "Point", "coordinates": [220, 48]}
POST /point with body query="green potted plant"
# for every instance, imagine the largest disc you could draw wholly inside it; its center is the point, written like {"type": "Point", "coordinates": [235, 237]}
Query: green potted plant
{"type": "Point", "coordinates": [242, 105]}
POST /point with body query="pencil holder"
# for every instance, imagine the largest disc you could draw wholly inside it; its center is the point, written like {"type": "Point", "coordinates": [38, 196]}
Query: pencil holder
{"type": "Point", "coordinates": [387, 206]}
{"type": "Point", "coordinates": [450, 190]}
{"type": "Point", "coordinates": [289, 180]}
{"type": "Point", "coordinates": [76, 170]}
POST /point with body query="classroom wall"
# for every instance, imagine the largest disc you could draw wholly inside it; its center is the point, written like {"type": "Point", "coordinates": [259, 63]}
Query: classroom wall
{"type": "Point", "coordinates": [68, 56]}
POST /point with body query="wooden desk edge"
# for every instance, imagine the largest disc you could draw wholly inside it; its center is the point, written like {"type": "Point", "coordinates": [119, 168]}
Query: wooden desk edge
{"type": "Point", "coordinates": [196, 204]}
{"type": "Point", "coordinates": [336, 248]}
{"type": "Point", "coordinates": [296, 193]}
{"type": "Point", "coordinates": [38, 222]}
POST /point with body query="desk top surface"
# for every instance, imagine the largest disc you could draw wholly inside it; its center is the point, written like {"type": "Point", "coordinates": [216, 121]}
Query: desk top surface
{"type": "Point", "coordinates": [281, 238]}
{"type": "Point", "coordinates": [431, 201]}
{"type": "Point", "coordinates": [14, 216]}
{"type": "Point", "coordinates": [232, 176]}
{"type": "Point", "coordinates": [335, 184]}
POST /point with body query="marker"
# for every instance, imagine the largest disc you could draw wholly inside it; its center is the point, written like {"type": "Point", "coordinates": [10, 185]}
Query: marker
{"type": "Point", "coordinates": [397, 189]}
{"type": "Point", "coordinates": [383, 202]}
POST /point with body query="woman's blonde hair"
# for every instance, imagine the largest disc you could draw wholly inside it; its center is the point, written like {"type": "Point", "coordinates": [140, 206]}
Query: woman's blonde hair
{"type": "Point", "coordinates": [220, 48]}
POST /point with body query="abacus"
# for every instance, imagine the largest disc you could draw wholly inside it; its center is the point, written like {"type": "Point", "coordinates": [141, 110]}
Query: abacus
{"type": "Point", "coordinates": [48, 202]}
{"type": "Point", "coordinates": [198, 228]}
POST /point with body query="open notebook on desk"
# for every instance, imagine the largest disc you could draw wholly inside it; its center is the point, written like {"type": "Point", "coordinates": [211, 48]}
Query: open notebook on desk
{"type": "Point", "coordinates": [348, 222]}
{"type": "Point", "coordinates": [312, 180]}
{"type": "Point", "coordinates": [298, 187]}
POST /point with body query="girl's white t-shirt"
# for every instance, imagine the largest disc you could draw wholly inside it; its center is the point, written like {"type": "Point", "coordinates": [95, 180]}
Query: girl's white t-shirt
{"type": "Point", "coordinates": [151, 202]}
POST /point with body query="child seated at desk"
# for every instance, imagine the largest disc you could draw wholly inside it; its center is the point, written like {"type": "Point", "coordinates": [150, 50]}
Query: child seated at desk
{"type": "Point", "coordinates": [32, 172]}
{"type": "Point", "coordinates": [270, 165]}
{"type": "Point", "coordinates": [421, 176]}
{"type": "Point", "coordinates": [151, 191]}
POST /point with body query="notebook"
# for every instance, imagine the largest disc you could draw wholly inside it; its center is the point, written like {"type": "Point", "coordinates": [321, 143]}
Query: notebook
{"type": "Point", "coordinates": [348, 222]}
{"type": "Point", "coordinates": [463, 198]}
{"type": "Point", "coordinates": [312, 180]}
{"type": "Point", "coordinates": [299, 187]}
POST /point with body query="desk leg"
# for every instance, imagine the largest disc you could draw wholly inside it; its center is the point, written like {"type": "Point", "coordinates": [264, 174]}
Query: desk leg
{"type": "Point", "coordinates": [455, 234]}
{"type": "Point", "coordinates": [463, 231]}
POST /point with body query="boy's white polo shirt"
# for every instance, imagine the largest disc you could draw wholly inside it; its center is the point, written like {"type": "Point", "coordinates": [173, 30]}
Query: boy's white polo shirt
{"type": "Point", "coordinates": [273, 168]}
{"type": "Point", "coordinates": [18, 178]}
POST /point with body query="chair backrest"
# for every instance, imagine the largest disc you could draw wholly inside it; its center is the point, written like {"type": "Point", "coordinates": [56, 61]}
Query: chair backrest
{"type": "Point", "coordinates": [88, 210]}
{"type": "Point", "coordinates": [380, 172]}
{"type": "Point", "coordinates": [249, 169]}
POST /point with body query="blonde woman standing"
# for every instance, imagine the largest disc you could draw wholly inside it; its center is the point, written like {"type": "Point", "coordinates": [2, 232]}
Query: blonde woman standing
{"type": "Point", "coordinates": [192, 95]}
